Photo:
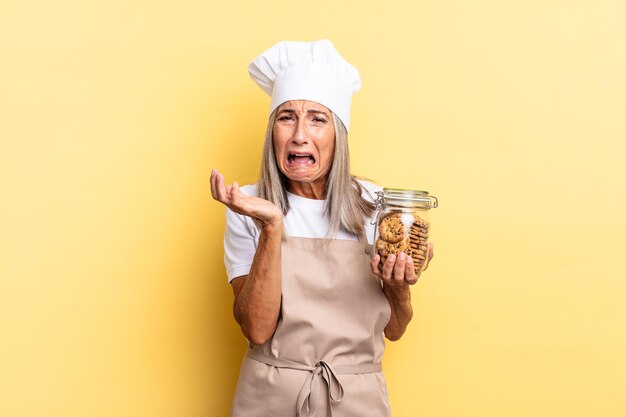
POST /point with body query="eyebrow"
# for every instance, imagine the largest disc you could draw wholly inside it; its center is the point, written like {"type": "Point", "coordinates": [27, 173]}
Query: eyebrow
{"type": "Point", "coordinates": [308, 111]}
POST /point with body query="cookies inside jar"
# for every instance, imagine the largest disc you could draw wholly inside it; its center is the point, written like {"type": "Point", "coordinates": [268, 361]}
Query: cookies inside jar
{"type": "Point", "coordinates": [407, 232]}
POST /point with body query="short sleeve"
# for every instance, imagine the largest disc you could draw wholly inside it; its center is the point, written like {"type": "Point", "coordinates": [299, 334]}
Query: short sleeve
{"type": "Point", "coordinates": [240, 243]}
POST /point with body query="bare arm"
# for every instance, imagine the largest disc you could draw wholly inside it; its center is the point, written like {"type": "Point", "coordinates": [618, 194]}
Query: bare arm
{"type": "Point", "coordinates": [398, 275]}
{"type": "Point", "coordinates": [258, 294]}
{"type": "Point", "coordinates": [401, 310]}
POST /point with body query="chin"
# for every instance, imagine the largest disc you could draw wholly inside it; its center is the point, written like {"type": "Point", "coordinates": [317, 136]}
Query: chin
{"type": "Point", "coordinates": [302, 178]}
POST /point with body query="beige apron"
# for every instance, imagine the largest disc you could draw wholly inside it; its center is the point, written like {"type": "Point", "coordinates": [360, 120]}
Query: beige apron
{"type": "Point", "coordinates": [324, 357]}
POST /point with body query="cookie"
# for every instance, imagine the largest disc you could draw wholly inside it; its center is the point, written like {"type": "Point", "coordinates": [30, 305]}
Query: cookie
{"type": "Point", "coordinates": [385, 248]}
{"type": "Point", "coordinates": [391, 228]}
{"type": "Point", "coordinates": [415, 255]}
{"type": "Point", "coordinates": [418, 221]}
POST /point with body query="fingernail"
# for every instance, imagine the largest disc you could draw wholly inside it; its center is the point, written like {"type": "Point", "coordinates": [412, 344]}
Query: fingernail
{"type": "Point", "coordinates": [409, 260]}
{"type": "Point", "coordinates": [391, 258]}
{"type": "Point", "coordinates": [401, 256]}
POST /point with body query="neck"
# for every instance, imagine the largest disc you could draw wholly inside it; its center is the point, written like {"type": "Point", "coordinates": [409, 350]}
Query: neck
{"type": "Point", "coordinates": [315, 190]}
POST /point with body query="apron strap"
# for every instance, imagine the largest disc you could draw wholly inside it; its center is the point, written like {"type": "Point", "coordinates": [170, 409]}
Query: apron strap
{"type": "Point", "coordinates": [322, 371]}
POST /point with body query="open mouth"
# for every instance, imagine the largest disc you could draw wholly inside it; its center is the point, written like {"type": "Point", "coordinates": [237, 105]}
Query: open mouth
{"type": "Point", "coordinates": [300, 159]}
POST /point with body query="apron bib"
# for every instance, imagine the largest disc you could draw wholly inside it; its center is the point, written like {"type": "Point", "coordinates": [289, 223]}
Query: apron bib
{"type": "Point", "coordinates": [324, 358]}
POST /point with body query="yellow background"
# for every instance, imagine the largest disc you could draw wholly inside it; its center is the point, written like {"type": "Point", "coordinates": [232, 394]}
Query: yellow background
{"type": "Point", "coordinates": [113, 294]}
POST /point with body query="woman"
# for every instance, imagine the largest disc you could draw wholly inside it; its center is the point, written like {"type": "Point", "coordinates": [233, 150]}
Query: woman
{"type": "Point", "coordinates": [313, 305]}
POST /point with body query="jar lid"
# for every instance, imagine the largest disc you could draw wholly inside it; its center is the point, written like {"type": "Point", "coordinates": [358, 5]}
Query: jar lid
{"type": "Point", "coordinates": [407, 198]}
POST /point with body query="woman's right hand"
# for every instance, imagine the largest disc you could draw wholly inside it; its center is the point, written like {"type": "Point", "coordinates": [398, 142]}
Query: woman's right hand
{"type": "Point", "coordinates": [262, 210]}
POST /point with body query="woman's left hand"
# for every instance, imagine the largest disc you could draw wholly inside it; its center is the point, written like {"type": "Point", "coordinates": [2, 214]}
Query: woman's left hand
{"type": "Point", "coordinates": [398, 271]}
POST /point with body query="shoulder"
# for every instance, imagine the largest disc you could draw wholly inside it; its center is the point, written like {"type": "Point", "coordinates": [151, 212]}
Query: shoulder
{"type": "Point", "coordinates": [368, 189]}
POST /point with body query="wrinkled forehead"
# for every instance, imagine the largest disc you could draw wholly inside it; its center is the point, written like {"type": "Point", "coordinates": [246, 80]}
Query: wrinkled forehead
{"type": "Point", "coordinates": [303, 106]}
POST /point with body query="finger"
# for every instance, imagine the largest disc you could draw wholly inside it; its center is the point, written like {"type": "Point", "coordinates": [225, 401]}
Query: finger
{"type": "Point", "coordinates": [213, 186]}
{"type": "Point", "coordinates": [234, 192]}
{"type": "Point", "coordinates": [388, 267]}
{"type": "Point", "coordinates": [399, 267]}
{"type": "Point", "coordinates": [374, 265]}
{"type": "Point", "coordinates": [409, 273]}
{"type": "Point", "coordinates": [221, 188]}
{"type": "Point", "coordinates": [215, 183]}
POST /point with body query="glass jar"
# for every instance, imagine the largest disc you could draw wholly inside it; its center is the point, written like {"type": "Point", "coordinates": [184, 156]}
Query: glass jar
{"type": "Point", "coordinates": [403, 225]}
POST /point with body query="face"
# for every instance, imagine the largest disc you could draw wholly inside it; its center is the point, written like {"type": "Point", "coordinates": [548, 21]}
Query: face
{"type": "Point", "coordinates": [304, 140]}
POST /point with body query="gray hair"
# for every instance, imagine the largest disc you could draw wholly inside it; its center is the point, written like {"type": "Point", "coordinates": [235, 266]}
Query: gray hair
{"type": "Point", "coordinates": [345, 205]}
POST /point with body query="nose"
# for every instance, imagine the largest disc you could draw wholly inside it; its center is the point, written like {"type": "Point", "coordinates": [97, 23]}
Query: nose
{"type": "Point", "coordinates": [300, 135]}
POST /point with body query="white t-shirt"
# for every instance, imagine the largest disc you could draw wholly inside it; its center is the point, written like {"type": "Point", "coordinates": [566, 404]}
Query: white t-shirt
{"type": "Point", "coordinates": [305, 219]}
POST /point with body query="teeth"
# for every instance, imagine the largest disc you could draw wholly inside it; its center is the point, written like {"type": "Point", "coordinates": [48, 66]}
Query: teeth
{"type": "Point", "coordinates": [294, 155]}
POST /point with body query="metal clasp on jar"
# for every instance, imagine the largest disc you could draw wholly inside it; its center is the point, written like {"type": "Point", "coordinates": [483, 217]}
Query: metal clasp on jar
{"type": "Point", "coordinates": [380, 206]}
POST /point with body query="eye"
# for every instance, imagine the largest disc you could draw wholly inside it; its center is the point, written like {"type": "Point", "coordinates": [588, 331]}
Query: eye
{"type": "Point", "coordinates": [286, 117]}
{"type": "Point", "coordinates": [319, 120]}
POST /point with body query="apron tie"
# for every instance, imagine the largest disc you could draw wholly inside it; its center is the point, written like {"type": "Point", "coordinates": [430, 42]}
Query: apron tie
{"type": "Point", "coordinates": [311, 389]}
{"type": "Point", "coordinates": [308, 397]}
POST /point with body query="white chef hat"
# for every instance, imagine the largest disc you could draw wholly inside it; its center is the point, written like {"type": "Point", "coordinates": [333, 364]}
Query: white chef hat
{"type": "Point", "coordinates": [307, 71]}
